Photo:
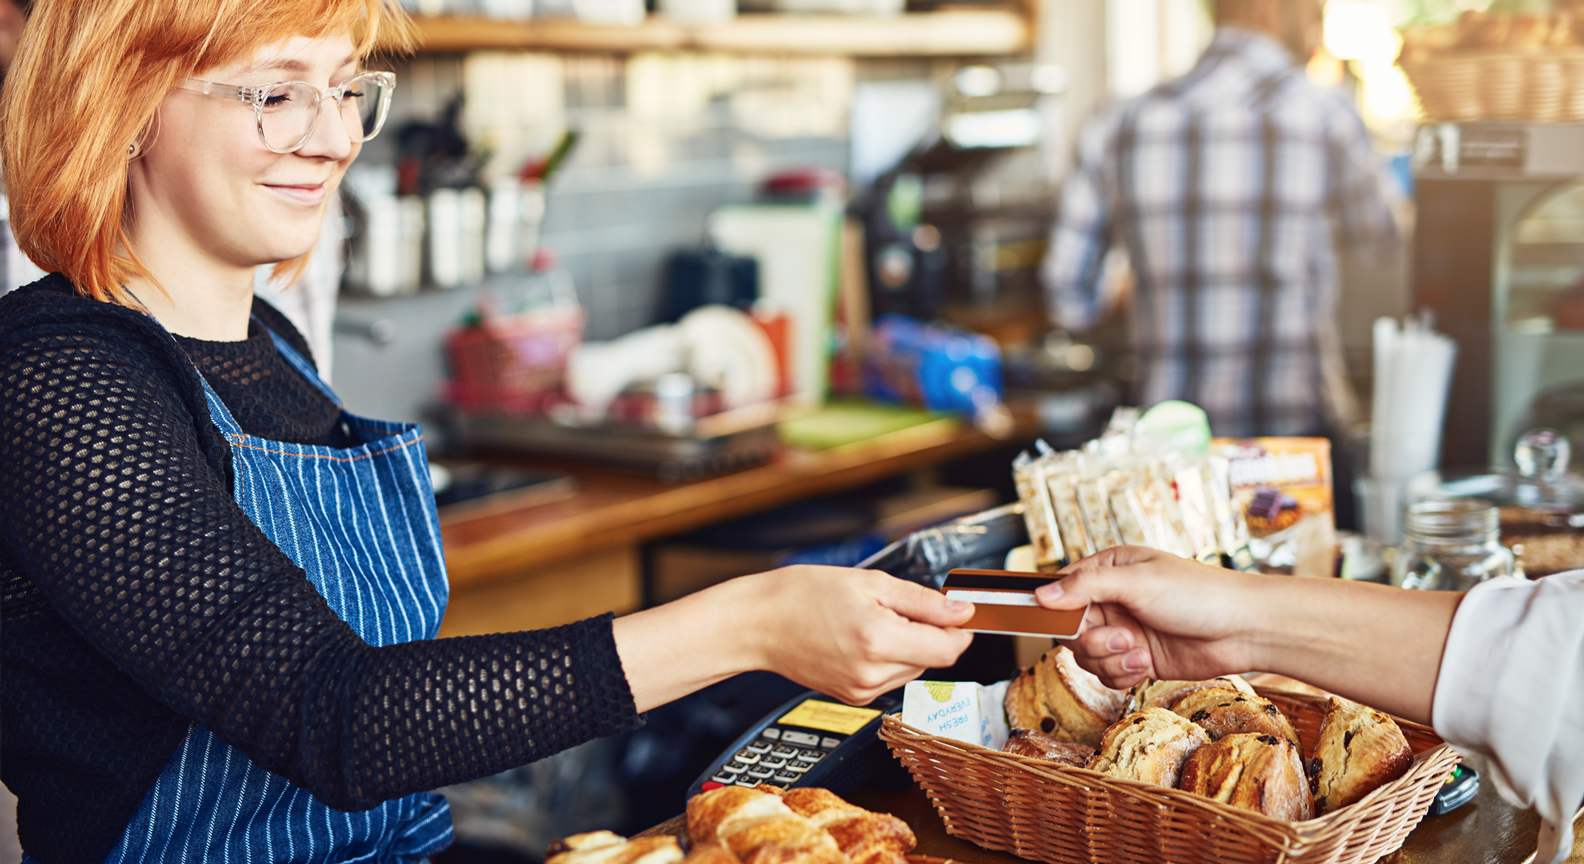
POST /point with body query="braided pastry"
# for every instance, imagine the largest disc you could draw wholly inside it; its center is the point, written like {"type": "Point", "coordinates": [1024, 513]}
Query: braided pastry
{"type": "Point", "coordinates": [759, 828]}
{"type": "Point", "coordinates": [864, 836]}
{"type": "Point", "coordinates": [605, 847]}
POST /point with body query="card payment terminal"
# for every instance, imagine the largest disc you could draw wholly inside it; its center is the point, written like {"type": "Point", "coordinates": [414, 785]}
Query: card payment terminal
{"type": "Point", "coordinates": [811, 740]}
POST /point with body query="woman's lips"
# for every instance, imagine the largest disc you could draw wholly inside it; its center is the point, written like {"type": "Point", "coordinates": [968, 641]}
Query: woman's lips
{"type": "Point", "coordinates": [299, 193]}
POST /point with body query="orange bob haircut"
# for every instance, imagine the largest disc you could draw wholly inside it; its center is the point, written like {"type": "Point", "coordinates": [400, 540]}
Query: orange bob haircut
{"type": "Point", "coordinates": [87, 81]}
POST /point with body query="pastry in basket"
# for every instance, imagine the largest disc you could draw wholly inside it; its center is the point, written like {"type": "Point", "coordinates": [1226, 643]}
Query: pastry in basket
{"type": "Point", "coordinates": [1039, 746]}
{"type": "Point", "coordinates": [864, 836]}
{"type": "Point", "coordinates": [1358, 750]}
{"type": "Point", "coordinates": [1225, 712]}
{"type": "Point", "coordinates": [1058, 698]}
{"type": "Point", "coordinates": [1262, 773]}
{"type": "Point", "coordinates": [1152, 693]}
{"type": "Point", "coordinates": [759, 828]}
{"type": "Point", "coordinates": [605, 847]}
{"type": "Point", "coordinates": [1148, 746]}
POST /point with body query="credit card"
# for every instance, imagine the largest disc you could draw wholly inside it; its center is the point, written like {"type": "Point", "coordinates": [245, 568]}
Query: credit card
{"type": "Point", "coordinates": [1004, 603]}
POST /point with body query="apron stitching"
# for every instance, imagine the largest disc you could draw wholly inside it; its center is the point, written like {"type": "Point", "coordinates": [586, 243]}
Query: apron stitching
{"type": "Point", "coordinates": [346, 459]}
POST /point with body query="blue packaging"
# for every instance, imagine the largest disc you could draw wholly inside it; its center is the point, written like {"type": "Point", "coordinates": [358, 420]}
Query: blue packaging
{"type": "Point", "coordinates": [938, 367]}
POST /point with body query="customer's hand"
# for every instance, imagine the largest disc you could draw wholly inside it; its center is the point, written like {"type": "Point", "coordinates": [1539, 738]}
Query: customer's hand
{"type": "Point", "coordinates": [1159, 616]}
{"type": "Point", "coordinates": [854, 634]}
{"type": "Point", "coordinates": [1155, 615]}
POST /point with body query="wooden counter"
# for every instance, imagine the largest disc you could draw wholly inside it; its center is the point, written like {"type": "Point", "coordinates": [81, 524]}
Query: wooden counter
{"type": "Point", "coordinates": [548, 563]}
{"type": "Point", "coordinates": [1485, 831]}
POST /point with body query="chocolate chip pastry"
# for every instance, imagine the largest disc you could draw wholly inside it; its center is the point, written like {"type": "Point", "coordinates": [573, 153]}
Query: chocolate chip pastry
{"type": "Point", "coordinates": [1262, 773]}
{"type": "Point", "coordinates": [1358, 751]}
{"type": "Point", "coordinates": [1149, 746]}
{"type": "Point", "coordinates": [1039, 746]}
{"type": "Point", "coordinates": [1224, 712]}
{"type": "Point", "coordinates": [1153, 693]}
{"type": "Point", "coordinates": [1056, 697]}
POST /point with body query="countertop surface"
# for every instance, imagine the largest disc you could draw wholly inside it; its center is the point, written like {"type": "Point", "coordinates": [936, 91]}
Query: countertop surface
{"type": "Point", "coordinates": [610, 508]}
{"type": "Point", "coordinates": [1485, 831]}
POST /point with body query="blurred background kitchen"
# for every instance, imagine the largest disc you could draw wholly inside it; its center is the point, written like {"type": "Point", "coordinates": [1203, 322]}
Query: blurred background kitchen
{"type": "Point", "coordinates": [686, 289]}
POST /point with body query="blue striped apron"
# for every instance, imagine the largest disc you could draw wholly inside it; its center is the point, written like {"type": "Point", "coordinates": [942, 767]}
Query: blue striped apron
{"type": "Point", "coordinates": [361, 522]}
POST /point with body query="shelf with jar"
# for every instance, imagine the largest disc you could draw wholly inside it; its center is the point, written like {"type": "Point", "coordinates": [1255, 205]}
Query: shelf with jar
{"type": "Point", "coordinates": [944, 33]}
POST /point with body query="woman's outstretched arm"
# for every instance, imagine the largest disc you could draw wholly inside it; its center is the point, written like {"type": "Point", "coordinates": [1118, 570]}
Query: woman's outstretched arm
{"type": "Point", "coordinates": [853, 634]}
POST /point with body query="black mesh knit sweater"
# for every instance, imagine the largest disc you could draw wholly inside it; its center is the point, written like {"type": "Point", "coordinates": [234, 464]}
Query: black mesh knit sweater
{"type": "Point", "coordinates": [127, 572]}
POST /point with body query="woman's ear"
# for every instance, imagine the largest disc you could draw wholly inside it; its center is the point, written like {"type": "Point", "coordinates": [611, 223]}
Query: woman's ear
{"type": "Point", "coordinates": [145, 138]}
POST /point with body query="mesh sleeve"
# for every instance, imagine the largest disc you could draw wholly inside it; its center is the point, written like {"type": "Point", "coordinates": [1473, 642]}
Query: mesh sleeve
{"type": "Point", "coordinates": [132, 536]}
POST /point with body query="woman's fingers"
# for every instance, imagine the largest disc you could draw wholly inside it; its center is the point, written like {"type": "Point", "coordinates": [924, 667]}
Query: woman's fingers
{"type": "Point", "coordinates": [866, 633]}
{"type": "Point", "coordinates": [917, 603]}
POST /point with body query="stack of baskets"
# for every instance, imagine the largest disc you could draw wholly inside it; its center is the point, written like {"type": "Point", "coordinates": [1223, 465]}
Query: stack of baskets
{"type": "Point", "coordinates": [1047, 812]}
{"type": "Point", "coordinates": [512, 364]}
{"type": "Point", "coordinates": [1500, 84]}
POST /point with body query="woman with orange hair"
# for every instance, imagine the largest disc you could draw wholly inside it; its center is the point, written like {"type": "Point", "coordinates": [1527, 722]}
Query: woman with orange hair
{"type": "Point", "coordinates": [219, 591]}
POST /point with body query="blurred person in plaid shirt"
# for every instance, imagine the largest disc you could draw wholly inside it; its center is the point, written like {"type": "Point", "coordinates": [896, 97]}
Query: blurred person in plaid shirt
{"type": "Point", "coordinates": [1230, 189]}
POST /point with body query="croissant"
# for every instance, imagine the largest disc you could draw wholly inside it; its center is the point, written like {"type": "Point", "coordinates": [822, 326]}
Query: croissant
{"type": "Point", "coordinates": [759, 828]}
{"type": "Point", "coordinates": [864, 836]}
{"type": "Point", "coordinates": [605, 847]}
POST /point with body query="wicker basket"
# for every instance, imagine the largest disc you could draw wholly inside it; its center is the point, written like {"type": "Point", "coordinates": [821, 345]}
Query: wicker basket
{"type": "Point", "coordinates": [1496, 84]}
{"type": "Point", "coordinates": [1047, 812]}
{"type": "Point", "coordinates": [511, 363]}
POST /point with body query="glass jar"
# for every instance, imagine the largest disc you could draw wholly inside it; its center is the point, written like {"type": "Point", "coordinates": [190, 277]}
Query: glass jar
{"type": "Point", "coordinates": [1450, 545]}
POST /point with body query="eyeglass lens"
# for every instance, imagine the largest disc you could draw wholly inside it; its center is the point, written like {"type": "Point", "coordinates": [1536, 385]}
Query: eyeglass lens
{"type": "Point", "coordinates": [289, 110]}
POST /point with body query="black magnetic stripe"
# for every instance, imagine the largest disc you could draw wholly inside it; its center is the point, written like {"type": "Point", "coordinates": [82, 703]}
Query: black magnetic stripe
{"type": "Point", "coordinates": [1265, 306]}
{"type": "Point", "coordinates": [1193, 153]}
{"type": "Point", "coordinates": [961, 580]}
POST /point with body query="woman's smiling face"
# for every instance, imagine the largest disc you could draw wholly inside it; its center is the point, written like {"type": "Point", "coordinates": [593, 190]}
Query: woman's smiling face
{"type": "Point", "coordinates": [207, 185]}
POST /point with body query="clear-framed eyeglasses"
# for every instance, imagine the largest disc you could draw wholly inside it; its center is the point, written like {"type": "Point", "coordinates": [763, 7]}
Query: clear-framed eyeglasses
{"type": "Point", "coordinates": [288, 111]}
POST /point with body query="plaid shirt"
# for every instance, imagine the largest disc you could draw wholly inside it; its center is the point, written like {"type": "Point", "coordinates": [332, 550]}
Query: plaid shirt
{"type": "Point", "coordinates": [1229, 189]}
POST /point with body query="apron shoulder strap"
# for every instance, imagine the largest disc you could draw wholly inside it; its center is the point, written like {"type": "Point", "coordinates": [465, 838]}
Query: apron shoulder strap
{"type": "Point", "coordinates": [299, 362]}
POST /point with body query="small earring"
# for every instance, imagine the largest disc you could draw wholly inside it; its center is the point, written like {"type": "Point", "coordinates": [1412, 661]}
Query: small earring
{"type": "Point", "coordinates": [132, 151]}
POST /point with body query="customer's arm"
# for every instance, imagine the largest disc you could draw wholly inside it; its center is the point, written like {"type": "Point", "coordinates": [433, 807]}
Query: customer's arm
{"type": "Point", "coordinates": [1499, 670]}
{"type": "Point", "coordinates": [853, 634]}
{"type": "Point", "coordinates": [1159, 616]}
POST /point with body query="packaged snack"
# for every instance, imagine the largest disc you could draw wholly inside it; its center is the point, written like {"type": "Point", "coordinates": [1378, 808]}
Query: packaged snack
{"type": "Point", "coordinates": [1231, 528]}
{"type": "Point", "coordinates": [1282, 489]}
{"type": "Point", "coordinates": [1128, 511]}
{"type": "Point", "coordinates": [1193, 502]}
{"type": "Point", "coordinates": [960, 710]}
{"type": "Point", "coordinates": [1044, 535]}
{"type": "Point", "coordinates": [1094, 504]}
{"type": "Point", "coordinates": [1062, 483]}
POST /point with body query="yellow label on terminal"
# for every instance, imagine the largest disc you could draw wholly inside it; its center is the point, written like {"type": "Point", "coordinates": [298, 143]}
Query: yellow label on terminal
{"type": "Point", "coordinates": [829, 717]}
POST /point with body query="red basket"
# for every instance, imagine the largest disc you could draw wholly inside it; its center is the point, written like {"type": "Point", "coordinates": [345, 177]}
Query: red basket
{"type": "Point", "coordinates": [512, 363]}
